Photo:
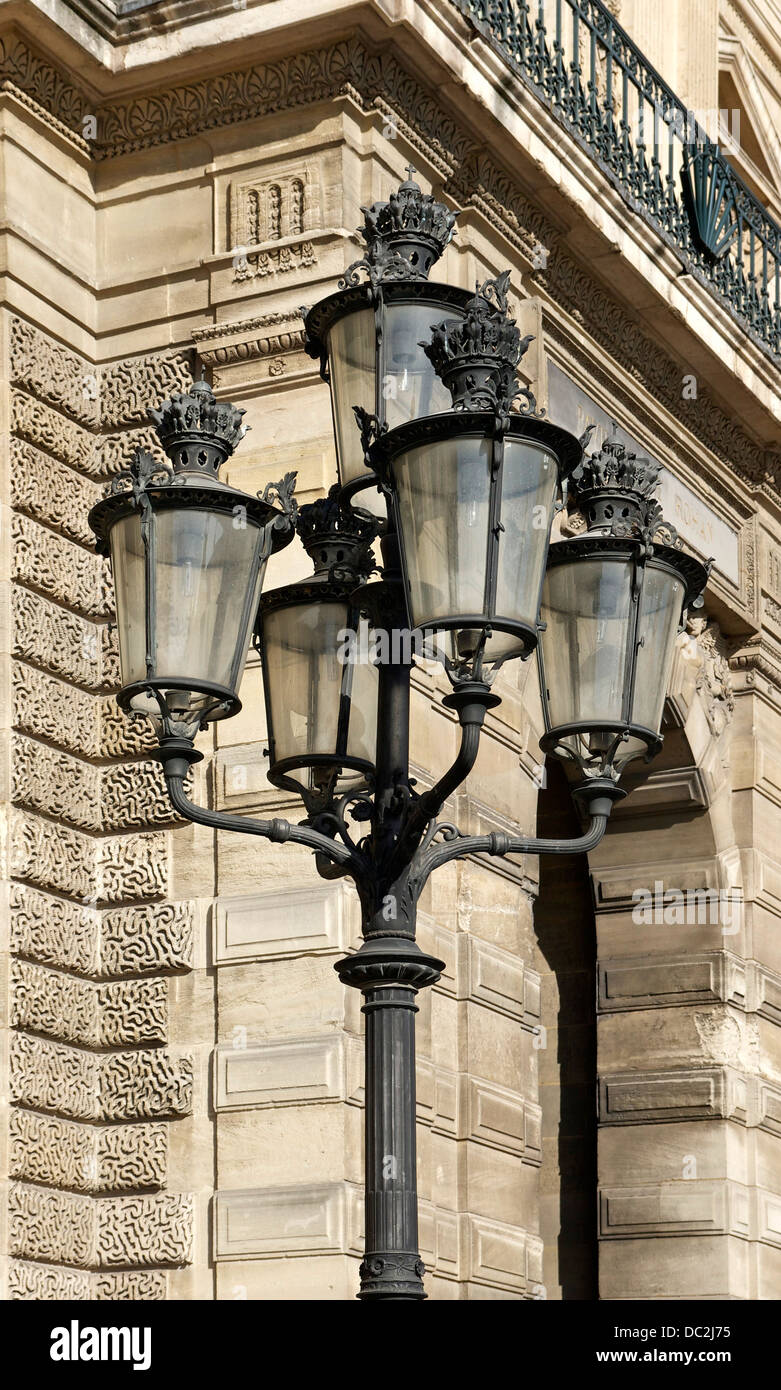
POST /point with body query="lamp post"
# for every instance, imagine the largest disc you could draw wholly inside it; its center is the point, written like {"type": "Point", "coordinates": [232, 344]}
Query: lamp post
{"type": "Point", "coordinates": [469, 476]}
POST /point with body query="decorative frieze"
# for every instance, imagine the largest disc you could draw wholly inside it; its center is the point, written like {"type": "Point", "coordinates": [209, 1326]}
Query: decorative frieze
{"type": "Point", "coordinates": [120, 1014]}
{"type": "Point", "coordinates": [62, 1080]}
{"type": "Point", "coordinates": [50, 1283]}
{"type": "Point", "coordinates": [99, 1232]}
{"type": "Point", "coordinates": [86, 1158]}
{"type": "Point", "coordinates": [273, 260]}
{"type": "Point", "coordinates": [107, 870]}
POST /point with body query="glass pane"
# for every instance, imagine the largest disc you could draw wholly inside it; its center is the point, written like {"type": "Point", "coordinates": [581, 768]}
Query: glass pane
{"type": "Point", "coordinates": [321, 688]}
{"type": "Point", "coordinates": [660, 613]}
{"type": "Point", "coordinates": [351, 362]}
{"type": "Point", "coordinates": [443, 492]}
{"type": "Point", "coordinates": [410, 385]}
{"type": "Point", "coordinates": [587, 607]}
{"type": "Point", "coordinates": [202, 568]}
{"type": "Point", "coordinates": [127, 564]}
{"type": "Point", "coordinates": [529, 481]}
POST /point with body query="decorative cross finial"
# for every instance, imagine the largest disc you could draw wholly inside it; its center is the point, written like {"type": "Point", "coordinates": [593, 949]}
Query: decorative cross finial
{"type": "Point", "coordinates": [410, 168]}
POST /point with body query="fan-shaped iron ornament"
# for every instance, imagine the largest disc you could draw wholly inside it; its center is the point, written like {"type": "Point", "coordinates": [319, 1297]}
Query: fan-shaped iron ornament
{"type": "Point", "coordinates": [710, 198]}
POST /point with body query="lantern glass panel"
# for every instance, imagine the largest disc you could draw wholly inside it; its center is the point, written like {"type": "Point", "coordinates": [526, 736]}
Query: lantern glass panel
{"type": "Point", "coordinates": [352, 365]}
{"type": "Point", "coordinates": [200, 565]}
{"type": "Point", "coordinates": [587, 606]}
{"type": "Point", "coordinates": [410, 386]}
{"type": "Point", "coordinates": [529, 482]}
{"type": "Point", "coordinates": [444, 492]}
{"type": "Point", "coordinates": [321, 702]}
{"type": "Point", "coordinates": [661, 604]}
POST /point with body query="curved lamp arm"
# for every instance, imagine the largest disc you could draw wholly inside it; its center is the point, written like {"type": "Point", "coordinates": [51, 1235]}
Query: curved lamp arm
{"type": "Point", "coordinates": [176, 761]}
{"type": "Point", "coordinates": [498, 843]}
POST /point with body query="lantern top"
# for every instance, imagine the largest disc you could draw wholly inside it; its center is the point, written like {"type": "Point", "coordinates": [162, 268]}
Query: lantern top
{"type": "Point", "coordinates": [477, 356]}
{"type": "Point", "coordinates": [336, 538]}
{"type": "Point", "coordinates": [198, 432]}
{"type": "Point", "coordinates": [614, 489]}
{"type": "Point", "coordinates": [403, 236]}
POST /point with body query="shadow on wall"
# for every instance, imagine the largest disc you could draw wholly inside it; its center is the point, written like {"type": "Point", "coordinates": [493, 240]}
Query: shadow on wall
{"type": "Point", "coordinates": [566, 960]}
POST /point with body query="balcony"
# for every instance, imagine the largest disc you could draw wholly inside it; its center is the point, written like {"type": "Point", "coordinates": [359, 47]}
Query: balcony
{"type": "Point", "coordinates": [584, 68]}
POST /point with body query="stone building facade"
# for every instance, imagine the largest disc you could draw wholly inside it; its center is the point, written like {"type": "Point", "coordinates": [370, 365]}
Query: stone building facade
{"type": "Point", "coordinates": [181, 1097]}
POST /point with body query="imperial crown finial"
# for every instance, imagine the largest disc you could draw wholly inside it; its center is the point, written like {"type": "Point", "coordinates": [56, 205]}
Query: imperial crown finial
{"type": "Point", "coordinates": [336, 538]}
{"type": "Point", "coordinates": [477, 356]}
{"type": "Point", "coordinates": [197, 431]}
{"type": "Point", "coordinates": [615, 489]}
{"type": "Point", "coordinates": [403, 236]}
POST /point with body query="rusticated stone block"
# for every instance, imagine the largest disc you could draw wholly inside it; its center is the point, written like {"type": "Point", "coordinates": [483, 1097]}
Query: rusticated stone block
{"type": "Point", "coordinates": [99, 1232]}
{"type": "Point", "coordinates": [60, 569]}
{"type": "Point", "coordinates": [55, 374]}
{"type": "Point", "coordinates": [128, 387]}
{"type": "Point", "coordinates": [87, 1086]}
{"type": "Point", "coordinates": [78, 722]}
{"type": "Point", "coordinates": [48, 1283]}
{"type": "Point", "coordinates": [61, 642]}
{"type": "Point", "coordinates": [46, 780]}
{"type": "Point", "coordinates": [120, 1014]}
{"type": "Point", "coordinates": [113, 452]}
{"type": "Point", "coordinates": [93, 870]}
{"type": "Point", "coordinates": [113, 798]}
{"type": "Point", "coordinates": [86, 1158]}
{"type": "Point", "coordinates": [48, 491]}
{"type": "Point", "coordinates": [48, 429]}
{"type": "Point", "coordinates": [124, 940]}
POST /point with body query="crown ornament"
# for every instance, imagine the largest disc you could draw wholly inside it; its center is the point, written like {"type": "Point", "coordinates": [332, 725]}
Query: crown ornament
{"type": "Point", "coordinates": [477, 357]}
{"type": "Point", "coordinates": [403, 236]}
{"type": "Point", "coordinates": [198, 432]}
{"type": "Point", "coordinates": [337, 539]}
{"type": "Point", "coordinates": [615, 489]}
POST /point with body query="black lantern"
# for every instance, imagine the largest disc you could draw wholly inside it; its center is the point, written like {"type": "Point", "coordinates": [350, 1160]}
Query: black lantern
{"type": "Point", "coordinates": [319, 677]}
{"type": "Point", "coordinates": [475, 490]}
{"type": "Point", "coordinates": [614, 599]}
{"type": "Point", "coordinates": [188, 555]}
{"type": "Point", "coordinates": [367, 335]}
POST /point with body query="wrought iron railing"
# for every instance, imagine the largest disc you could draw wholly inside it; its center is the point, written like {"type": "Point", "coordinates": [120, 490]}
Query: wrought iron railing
{"type": "Point", "coordinates": [583, 66]}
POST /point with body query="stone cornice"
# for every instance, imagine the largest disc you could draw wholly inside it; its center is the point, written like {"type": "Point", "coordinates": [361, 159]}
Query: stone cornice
{"type": "Point", "coordinates": [376, 81]}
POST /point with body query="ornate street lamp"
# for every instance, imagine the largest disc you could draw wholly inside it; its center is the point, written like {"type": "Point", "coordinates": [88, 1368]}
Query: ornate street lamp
{"type": "Point", "coordinates": [320, 686]}
{"type": "Point", "coordinates": [188, 554]}
{"type": "Point", "coordinates": [367, 334]}
{"type": "Point", "coordinates": [473, 489]}
{"type": "Point", "coordinates": [474, 492]}
{"type": "Point", "coordinates": [615, 598]}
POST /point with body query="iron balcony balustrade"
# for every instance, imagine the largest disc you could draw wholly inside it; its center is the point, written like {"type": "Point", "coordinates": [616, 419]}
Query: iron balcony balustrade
{"type": "Point", "coordinates": [594, 80]}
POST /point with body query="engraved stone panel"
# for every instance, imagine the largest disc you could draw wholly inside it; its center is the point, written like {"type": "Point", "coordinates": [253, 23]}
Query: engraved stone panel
{"type": "Point", "coordinates": [61, 642]}
{"type": "Point", "coordinates": [40, 1282]}
{"type": "Point", "coordinates": [100, 1232]}
{"type": "Point", "coordinates": [59, 569]}
{"type": "Point", "coordinates": [93, 870]}
{"type": "Point", "coordinates": [128, 387]}
{"type": "Point", "coordinates": [48, 429]}
{"type": "Point", "coordinates": [666, 1209]}
{"type": "Point", "coordinates": [280, 1220]}
{"type": "Point", "coordinates": [637, 1097]}
{"type": "Point", "coordinates": [264, 925]}
{"type": "Point", "coordinates": [287, 1073]}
